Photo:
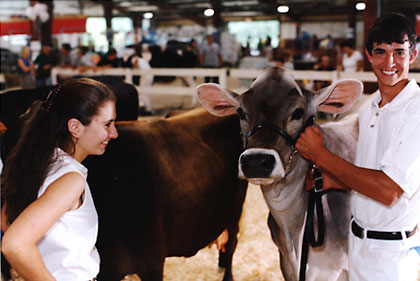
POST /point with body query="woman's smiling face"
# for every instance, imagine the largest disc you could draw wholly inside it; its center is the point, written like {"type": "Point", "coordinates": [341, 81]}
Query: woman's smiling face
{"type": "Point", "coordinates": [95, 136]}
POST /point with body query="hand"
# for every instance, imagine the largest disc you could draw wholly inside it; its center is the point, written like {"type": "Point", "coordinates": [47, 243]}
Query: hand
{"type": "Point", "coordinates": [310, 143]}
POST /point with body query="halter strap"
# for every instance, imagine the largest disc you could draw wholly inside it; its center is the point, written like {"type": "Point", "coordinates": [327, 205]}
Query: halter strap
{"type": "Point", "coordinates": [272, 127]}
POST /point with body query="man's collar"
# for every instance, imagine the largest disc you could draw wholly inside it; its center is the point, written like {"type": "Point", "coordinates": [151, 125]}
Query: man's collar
{"type": "Point", "coordinates": [402, 97]}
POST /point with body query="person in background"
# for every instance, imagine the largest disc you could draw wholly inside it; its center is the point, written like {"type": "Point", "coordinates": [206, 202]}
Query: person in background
{"type": "Point", "coordinates": [65, 58]}
{"type": "Point", "coordinates": [83, 60]}
{"type": "Point", "coordinates": [44, 63]}
{"type": "Point", "coordinates": [136, 61]}
{"type": "Point", "coordinates": [326, 43]}
{"type": "Point", "coordinates": [352, 59]}
{"type": "Point", "coordinates": [315, 42]}
{"type": "Point", "coordinates": [385, 179]}
{"type": "Point", "coordinates": [191, 54]}
{"type": "Point", "coordinates": [110, 60]}
{"type": "Point", "coordinates": [210, 57]}
{"type": "Point", "coordinates": [26, 69]}
{"type": "Point", "coordinates": [324, 64]}
{"type": "Point", "coordinates": [48, 215]}
{"type": "Point", "coordinates": [268, 49]}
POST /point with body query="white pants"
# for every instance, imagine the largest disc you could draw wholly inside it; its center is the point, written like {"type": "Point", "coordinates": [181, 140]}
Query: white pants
{"type": "Point", "coordinates": [384, 260]}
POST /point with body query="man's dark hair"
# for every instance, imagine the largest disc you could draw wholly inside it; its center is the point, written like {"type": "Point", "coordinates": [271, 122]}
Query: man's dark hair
{"type": "Point", "coordinates": [84, 50]}
{"type": "Point", "coordinates": [66, 46]}
{"type": "Point", "coordinates": [391, 28]}
{"type": "Point", "coordinates": [111, 52]}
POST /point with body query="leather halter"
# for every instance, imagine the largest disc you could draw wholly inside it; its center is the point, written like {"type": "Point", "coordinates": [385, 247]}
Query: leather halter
{"type": "Point", "coordinates": [272, 127]}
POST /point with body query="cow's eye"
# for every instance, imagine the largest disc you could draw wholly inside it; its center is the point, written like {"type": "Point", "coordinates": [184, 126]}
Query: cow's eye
{"type": "Point", "coordinates": [297, 114]}
{"type": "Point", "coordinates": [241, 113]}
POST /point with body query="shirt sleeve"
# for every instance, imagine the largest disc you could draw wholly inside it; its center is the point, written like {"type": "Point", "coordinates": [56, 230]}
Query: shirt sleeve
{"type": "Point", "coordinates": [401, 161]}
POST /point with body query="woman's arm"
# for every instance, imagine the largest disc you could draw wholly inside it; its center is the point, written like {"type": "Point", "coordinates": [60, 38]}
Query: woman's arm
{"type": "Point", "coordinates": [19, 244]}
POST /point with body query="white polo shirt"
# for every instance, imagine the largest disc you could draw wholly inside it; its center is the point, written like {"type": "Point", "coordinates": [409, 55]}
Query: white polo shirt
{"type": "Point", "coordinates": [389, 140]}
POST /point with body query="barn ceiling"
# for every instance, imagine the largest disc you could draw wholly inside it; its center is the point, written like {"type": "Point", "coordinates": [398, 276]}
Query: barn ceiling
{"type": "Point", "coordinates": [193, 9]}
{"type": "Point", "coordinates": [168, 10]}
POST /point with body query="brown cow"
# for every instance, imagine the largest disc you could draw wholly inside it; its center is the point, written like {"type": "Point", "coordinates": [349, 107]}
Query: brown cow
{"type": "Point", "coordinates": [165, 188]}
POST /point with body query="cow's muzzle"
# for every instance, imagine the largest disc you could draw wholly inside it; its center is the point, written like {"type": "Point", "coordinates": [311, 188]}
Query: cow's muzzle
{"type": "Point", "coordinates": [260, 166]}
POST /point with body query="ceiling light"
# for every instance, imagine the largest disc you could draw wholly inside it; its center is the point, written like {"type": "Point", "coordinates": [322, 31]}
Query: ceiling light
{"type": "Point", "coordinates": [360, 6]}
{"type": "Point", "coordinates": [209, 12]}
{"type": "Point", "coordinates": [143, 8]}
{"type": "Point", "coordinates": [148, 15]}
{"type": "Point", "coordinates": [283, 9]}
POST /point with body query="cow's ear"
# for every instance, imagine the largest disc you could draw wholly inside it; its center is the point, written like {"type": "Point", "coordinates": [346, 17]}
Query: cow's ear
{"type": "Point", "coordinates": [339, 97]}
{"type": "Point", "coordinates": [217, 100]}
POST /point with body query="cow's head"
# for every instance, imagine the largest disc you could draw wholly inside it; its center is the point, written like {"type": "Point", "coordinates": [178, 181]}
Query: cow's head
{"type": "Point", "coordinates": [273, 112]}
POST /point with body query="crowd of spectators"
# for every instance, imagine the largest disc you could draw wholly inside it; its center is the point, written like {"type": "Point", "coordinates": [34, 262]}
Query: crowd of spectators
{"type": "Point", "coordinates": [305, 52]}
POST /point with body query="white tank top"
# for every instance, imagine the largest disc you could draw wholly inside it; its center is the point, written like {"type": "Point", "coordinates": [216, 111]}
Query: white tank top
{"type": "Point", "coordinates": [68, 248]}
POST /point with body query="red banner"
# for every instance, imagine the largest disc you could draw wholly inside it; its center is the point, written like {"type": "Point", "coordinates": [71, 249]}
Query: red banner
{"type": "Point", "coordinates": [59, 25]}
{"type": "Point", "coordinates": [15, 27]}
{"type": "Point", "coordinates": [69, 25]}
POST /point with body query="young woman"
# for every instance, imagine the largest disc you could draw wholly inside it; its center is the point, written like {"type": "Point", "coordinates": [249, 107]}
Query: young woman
{"type": "Point", "coordinates": [48, 217]}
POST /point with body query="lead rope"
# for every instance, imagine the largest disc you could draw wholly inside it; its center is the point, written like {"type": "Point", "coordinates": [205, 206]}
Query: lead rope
{"type": "Point", "coordinates": [314, 205]}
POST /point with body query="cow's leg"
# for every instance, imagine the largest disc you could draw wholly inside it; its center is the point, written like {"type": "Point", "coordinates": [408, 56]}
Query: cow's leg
{"type": "Point", "coordinates": [225, 259]}
{"type": "Point", "coordinates": [148, 258]}
{"type": "Point", "coordinates": [147, 268]}
{"type": "Point", "coordinates": [285, 265]}
{"type": "Point", "coordinates": [127, 255]}
{"type": "Point", "coordinates": [152, 270]}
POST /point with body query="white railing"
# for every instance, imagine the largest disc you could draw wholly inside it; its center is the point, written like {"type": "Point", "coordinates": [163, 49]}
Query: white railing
{"type": "Point", "coordinates": [187, 74]}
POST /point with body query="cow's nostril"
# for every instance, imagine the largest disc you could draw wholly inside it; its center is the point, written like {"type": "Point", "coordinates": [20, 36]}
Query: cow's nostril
{"type": "Point", "coordinates": [268, 162]}
{"type": "Point", "coordinates": [257, 165]}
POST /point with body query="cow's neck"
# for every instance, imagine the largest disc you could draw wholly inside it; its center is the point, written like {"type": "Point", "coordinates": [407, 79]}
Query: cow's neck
{"type": "Point", "coordinates": [284, 195]}
{"type": "Point", "coordinates": [287, 201]}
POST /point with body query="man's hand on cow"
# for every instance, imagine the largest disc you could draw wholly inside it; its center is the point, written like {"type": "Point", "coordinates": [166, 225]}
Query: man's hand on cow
{"type": "Point", "coordinates": [310, 143]}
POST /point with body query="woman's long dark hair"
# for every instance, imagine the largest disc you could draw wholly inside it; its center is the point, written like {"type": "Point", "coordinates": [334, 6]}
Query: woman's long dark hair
{"type": "Point", "coordinates": [45, 129]}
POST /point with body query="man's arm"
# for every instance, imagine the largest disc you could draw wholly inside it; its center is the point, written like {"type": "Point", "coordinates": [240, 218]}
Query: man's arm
{"type": "Point", "coordinates": [373, 183]}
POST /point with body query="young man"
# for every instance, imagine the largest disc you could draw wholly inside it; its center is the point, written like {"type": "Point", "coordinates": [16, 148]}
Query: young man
{"type": "Point", "coordinates": [386, 178]}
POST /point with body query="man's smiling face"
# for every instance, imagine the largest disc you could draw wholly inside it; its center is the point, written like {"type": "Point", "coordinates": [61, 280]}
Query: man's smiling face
{"type": "Point", "coordinates": [391, 62]}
